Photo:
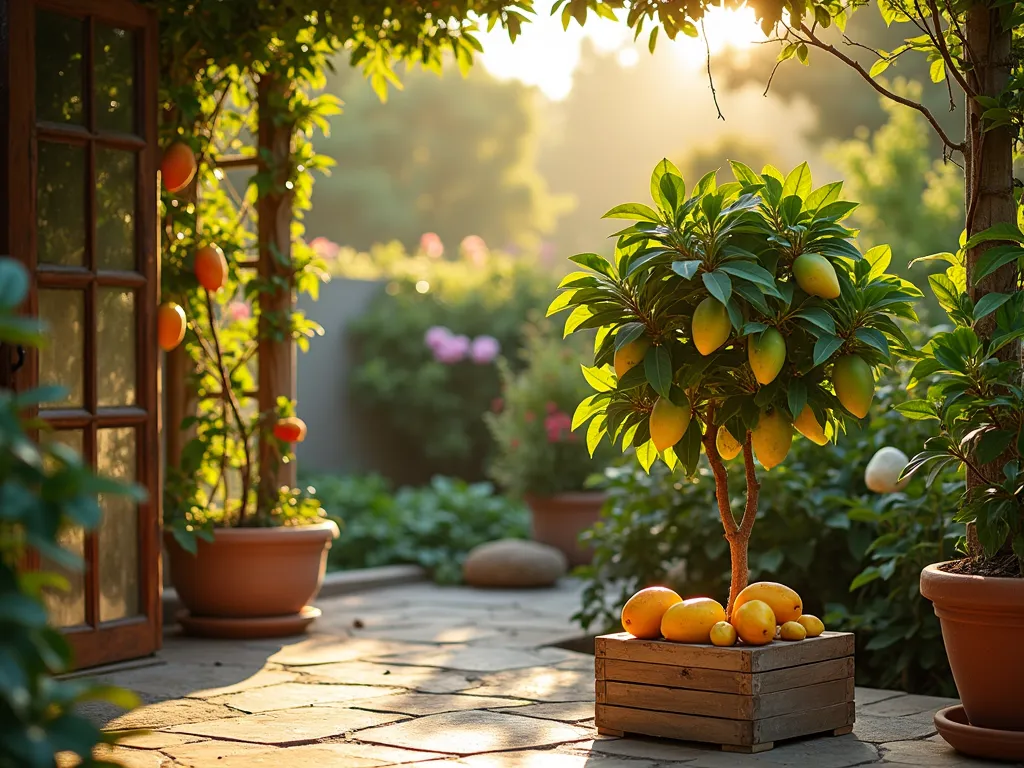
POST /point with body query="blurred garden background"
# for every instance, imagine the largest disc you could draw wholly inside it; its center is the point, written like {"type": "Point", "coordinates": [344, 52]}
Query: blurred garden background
{"type": "Point", "coordinates": [440, 398]}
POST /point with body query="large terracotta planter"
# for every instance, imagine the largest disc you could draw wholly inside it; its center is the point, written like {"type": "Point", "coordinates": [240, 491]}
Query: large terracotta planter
{"type": "Point", "coordinates": [982, 620]}
{"type": "Point", "coordinates": [559, 520]}
{"type": "Point", "coordinates": [251, 582]}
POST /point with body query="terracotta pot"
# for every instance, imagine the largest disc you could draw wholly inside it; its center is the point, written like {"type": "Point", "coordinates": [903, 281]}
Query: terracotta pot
{"type": "Point", "coordinates": [559, 520]}
{"type": "Point", "coordinates": [251, 573]}
{"type": "Point", "coordinates": [982, 620]}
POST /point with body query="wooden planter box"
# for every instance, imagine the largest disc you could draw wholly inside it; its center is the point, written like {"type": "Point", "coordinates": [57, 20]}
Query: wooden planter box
{"type": "Point", "coordinates": [744, 698]}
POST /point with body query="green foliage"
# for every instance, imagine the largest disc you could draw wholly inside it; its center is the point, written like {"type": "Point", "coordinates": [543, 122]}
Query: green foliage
{"type": "Point", "coordinates": [910, 199]}
{"type": "Point", "coordinates": [44, 488]}
{"type": "Point", "coordinates": [974, 394]}
{"type": "Point", "coordinates": [467, 169]}
{"type": "Point", "coordinates": [819, 530]}
{"type": "Point", "coordinates": [733, 246]}
{"type": "Point", "coordinates": [431, 411]}
{"type": "Point", "coordinates": [537, 452]}
{"type": "Point", "coordinates": [434, 526]}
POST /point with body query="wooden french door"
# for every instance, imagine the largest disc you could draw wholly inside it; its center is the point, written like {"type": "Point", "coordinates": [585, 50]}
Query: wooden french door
{"type": "Point", "coordinates": [81, 166]}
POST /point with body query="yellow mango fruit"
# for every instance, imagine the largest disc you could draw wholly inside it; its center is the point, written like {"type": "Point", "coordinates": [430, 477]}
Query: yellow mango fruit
{"type": "Point", "coordinates": [668, 423]}
{"type": "Point", "coordinates": [641, 615]}
{"type": "Point", "coordinates": [812, 624]}
{"type": "Point", "coordinates": [792, 631]}
{"type": "Point", "coordinates": [723, 634]}
{"type": "Point", "coordinates": [630, 355]}
{"type": "Point", "coordinates": [711, 326]}
{"type": "Point", "coordinates": [815, 275]}
{"type": "Point", "coordinates": [784, 602]}
{"type": "Point", "coordinates": [766, 355]}
{"type": "Point", "coordinates": [728, 447]}
{"type": "Point", "coordinates": [854, 384]}
{"type": "Point", "coordinates": [754, 622]}
{"type": "Point", "coordinates": [772, 438]}
{"type": "Point", "coordinates": [691, 620]}
{"type": "Point", "coordinates": [807, 425]}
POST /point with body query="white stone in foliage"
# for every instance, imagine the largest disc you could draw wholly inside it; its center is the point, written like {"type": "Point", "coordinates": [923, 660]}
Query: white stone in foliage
{"type": "Point", "coordinates": [513, 563]}
{"type": "Point", "coordinates": [884, 470]}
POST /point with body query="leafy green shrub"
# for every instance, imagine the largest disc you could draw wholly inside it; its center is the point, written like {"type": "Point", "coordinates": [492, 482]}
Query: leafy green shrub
{"type": "Point", "coordinates": [854, 556]}
{"type": "Point", "coordinates": [427, 405]}
{"type": "Point", "coordinates": [536, 450]}
{"type": "Point", "coordinates": [43, 488]}
{"type": "Point", "coordinates": [434, 526]}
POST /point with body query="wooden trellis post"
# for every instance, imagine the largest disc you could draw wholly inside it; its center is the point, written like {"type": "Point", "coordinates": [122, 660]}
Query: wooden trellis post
{"type": "Point", "coordinates": [276, 352]}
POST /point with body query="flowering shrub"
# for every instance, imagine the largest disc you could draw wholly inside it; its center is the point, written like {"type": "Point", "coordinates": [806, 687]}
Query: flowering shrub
{"type": "Point", "coordinates": [426, 349]}
{"type": "Point", "coordinates": [537, 451]}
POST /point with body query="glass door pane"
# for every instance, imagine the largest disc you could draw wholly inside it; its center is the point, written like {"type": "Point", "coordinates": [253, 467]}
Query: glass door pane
{"type": "Point", "coordinates": [115, 347]}
{"type": "Point", "coordinates": [60, 205]}
{"type": "Point", "coordinates": [62, 361]}
{"type": "Point", "coordinates": [118, 535]}
{"type": "Point", "coordinates": [67, 608]}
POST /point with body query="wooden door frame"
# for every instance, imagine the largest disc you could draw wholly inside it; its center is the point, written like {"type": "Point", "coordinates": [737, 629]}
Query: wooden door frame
{"type": "Point", "coordinates": [138, 635]}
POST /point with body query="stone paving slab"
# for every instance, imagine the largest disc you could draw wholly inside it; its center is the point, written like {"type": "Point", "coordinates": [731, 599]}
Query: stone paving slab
{"type": "Point", "coordinates": [424, 676]}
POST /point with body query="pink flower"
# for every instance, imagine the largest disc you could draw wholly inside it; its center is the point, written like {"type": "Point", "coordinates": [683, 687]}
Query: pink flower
{"type": "Point", "coordinates": [497, 404]}
{"type": "Point", "coordinates": [437, 336]}
{"type": "Point", "coordinates": [325, 249]}
{"type": "Point", "coordinates": [239, 310]}
{"type": "Point", "coordinates": [431, 245]}
{"type": "Point", "coordinates": [475, 249]}
{"type": "Point", "coordinates": [552, 406]}
{"type": "Point", "coordinates": [453, 350]}
{"type": "Point", "coordinates": [558, 426]}
{"type": "Point", "coordinates": [484, 349]}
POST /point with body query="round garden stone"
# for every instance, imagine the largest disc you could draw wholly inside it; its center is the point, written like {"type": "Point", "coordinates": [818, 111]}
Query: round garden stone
{"type": "Point", "coordinates": [513, 563]}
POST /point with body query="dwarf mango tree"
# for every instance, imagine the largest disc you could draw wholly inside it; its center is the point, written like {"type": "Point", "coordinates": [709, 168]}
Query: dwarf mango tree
{"type": "Point", "coordinates": [729, 318]}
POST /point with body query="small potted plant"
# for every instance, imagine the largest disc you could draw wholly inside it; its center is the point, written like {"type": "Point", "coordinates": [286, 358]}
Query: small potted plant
{"type": "Point", "coordinates": [974, 394]}
{"type": "Point", "coordinates": [538, 456]}
{"type": "Point", "coordinates": [245, 561]}
{"type": "Point", "coordinates": [726, 320]}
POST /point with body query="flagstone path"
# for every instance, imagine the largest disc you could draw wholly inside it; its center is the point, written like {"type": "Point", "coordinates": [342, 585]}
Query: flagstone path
{"type": "Point", "coordinates": [430, 677]}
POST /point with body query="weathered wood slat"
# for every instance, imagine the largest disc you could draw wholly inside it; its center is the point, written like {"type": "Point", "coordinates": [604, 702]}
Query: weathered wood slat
{"type": "Point", "coordinates": [720, 681]}
{"type": "Point", "coordinates": [804, 723]}
{"type": "Point", "coordinates": [739, 658]}
{"type": "Point", "coordinates": [670, 676]}
{"type": "Point", "coordinates": [671, 725]}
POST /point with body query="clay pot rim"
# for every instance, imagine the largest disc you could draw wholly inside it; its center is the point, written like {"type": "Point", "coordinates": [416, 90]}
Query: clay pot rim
{"type": "Point", "coordinates": [960, 588]}
{"type": "Point", "coordinates": [952, 725]}
{"type": "Point", "coordinates": [569, 497]}
{"type": "Point", "coordinates": [325, 530]}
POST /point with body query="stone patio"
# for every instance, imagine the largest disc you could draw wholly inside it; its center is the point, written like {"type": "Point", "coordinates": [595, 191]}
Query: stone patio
{"type": "Point", "coordinates": [420, 675]}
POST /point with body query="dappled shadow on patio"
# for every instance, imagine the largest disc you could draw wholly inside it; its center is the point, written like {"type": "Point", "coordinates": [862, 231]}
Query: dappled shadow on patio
{"type": "Point", "coordinates": [420, 674]}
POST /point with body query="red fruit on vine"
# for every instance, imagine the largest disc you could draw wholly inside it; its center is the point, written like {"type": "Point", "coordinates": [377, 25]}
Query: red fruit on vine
{"type": "Point", "coordinates": [211, 267]}
{"type": "Point", "coordinates": [178, 166]}
{"type": "Point", "coordinates": [290, 429]}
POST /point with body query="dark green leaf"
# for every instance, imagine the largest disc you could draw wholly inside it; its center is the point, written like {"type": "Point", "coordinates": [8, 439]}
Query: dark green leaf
{"type": "Point", "coordinates": [718, 284]}
{"type": "Point", "coordinates": [796, 396]}
{"type": "Point", "coordinates": [686, 269]}
{"type": "Point", "coordinates": [658, 369]}
{"type": "Point", "coordinates": [992, 444]}
{"type": "Point", "coordinates": [824, 348]}
{"type": "Point", "coordinates": [989, 303]}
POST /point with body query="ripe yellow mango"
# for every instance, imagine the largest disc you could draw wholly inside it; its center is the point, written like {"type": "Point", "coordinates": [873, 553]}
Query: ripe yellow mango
{"type": "Point", "coordinates": [784, 602]}
{"type": "Point", "coordinates": [792, 631]}
{"type": "Point", "coordinates": [854, 384]}
{"type": "Point", "coordinates": [711, 326]}
{"type": "Point", "coordinates": [728, 447]}
{"type": "Point", "coordinates": [668, 423]}
{"type": "Point", "coordinates": [691, 620]}
{"type": "Point", "coordinates": [641, 615]}
{"type": "Point", "coordinates": [766, 355]}
{"type": "Point", "coordinates": [754, 622]}
{"type": "Point", "coordinates": [807, 425]}
{"type": "Point", "coordinates": [816, 275]}
{"type": "Point", "coordinates": [630, 355]}
{"type": "Point", "coordinates": [812, 624]}
{"type": "Point", "coordinates": [723, 634]}
{"type": "Point", "coordinates": [772, 438]}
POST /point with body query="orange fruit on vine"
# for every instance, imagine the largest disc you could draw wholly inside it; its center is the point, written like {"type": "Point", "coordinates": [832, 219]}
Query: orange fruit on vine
{"type": "Point", "coordinates": [211, 267]}
{"type": "Point", "coordinates": [290, 429]}
{"type": "Point", "coordinates": [177, 166]}
{"type": "Point", "coordinates": [170, 325]}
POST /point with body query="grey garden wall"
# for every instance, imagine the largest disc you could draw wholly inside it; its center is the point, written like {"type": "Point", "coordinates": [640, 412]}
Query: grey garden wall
{"type": "Point", "coordinates": [340, 437]}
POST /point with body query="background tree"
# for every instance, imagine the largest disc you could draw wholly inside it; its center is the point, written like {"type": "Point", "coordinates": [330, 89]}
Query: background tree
{"type": "Point", "coordinates": [452, 155]}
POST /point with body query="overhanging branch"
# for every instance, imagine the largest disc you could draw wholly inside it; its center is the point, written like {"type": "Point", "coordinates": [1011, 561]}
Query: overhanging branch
{"type": "Point", "coordinates": [815, 41]}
